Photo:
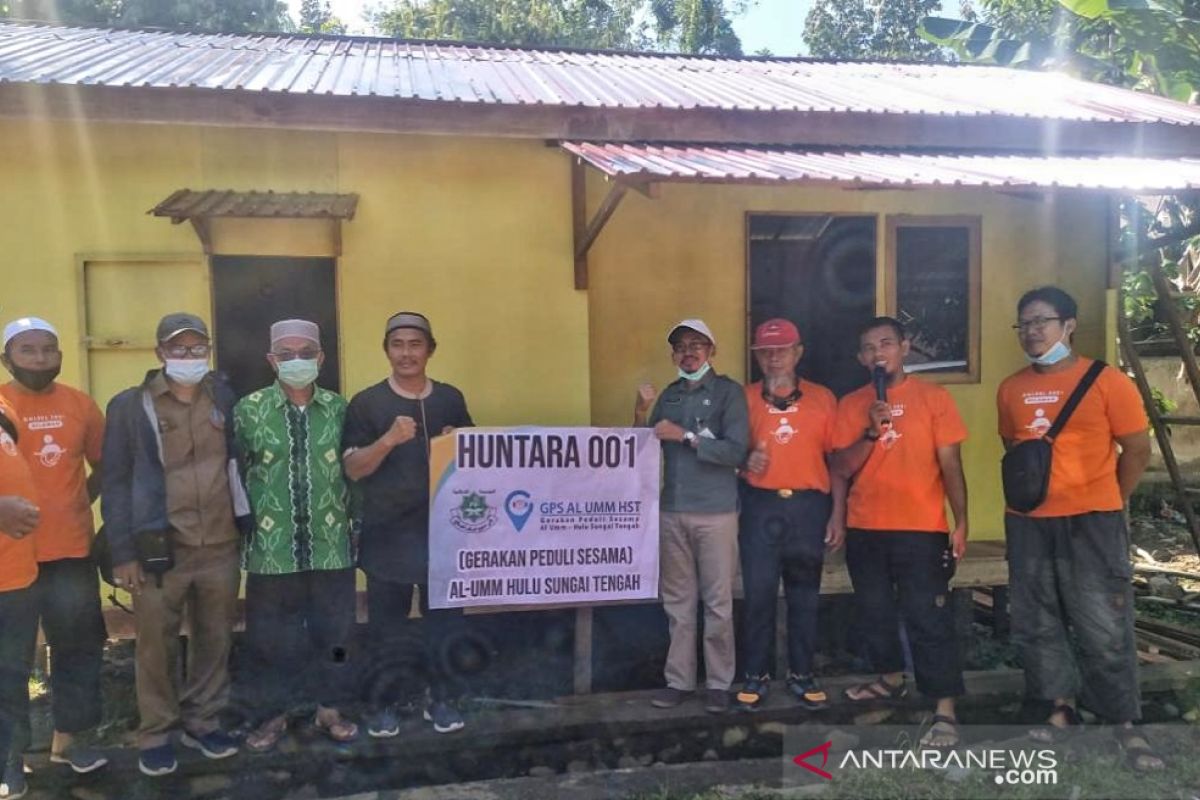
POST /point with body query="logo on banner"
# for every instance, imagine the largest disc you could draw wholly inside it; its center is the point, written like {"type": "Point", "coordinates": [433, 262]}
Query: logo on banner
{"type": "Point", "coordinates": [518, 505]}
{"type": "Point", "coordinates": [473, 514]}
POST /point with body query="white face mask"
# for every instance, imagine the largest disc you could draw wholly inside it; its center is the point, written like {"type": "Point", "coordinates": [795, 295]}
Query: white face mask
{"type": "Point", "coordinates": [697, 375]}
{"type": "Point", "coordinates": [187, 371]}
{"type": "Point", "coordinates": [1057, 352]}
{"type": "Point", "coordinates": [299, 372]}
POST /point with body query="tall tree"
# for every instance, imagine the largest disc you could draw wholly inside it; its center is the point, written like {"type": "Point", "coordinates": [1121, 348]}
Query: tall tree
{"type": "Point", "coordinates": [226, 16]}
{"type": "Point", "coordinates": [316, 17]}
{"type": "Point", "coordinates": [870, 29]}
{"type": "Point", "coordinates": [697, 26]}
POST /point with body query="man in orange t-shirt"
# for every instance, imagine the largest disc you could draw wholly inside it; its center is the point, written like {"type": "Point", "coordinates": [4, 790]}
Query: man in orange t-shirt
{"type": "Point", "coordinates": [788, 513]}
{"type": "Point", "coordinates": [902, 454]}
{"type": "Point", "coordinates": [61, 430]}
{"type": "Point", "coordinates": [1068, 559]}
{"type": "Point", "coordinates": [18, 611]}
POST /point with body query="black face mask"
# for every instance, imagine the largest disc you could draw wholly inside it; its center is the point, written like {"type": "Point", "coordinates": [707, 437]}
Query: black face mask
{"type": "Point", "coordinates": [34, 379]}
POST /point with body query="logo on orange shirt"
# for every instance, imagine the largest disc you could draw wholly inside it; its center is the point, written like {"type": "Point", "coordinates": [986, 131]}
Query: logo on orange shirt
{"type": "Point", "coordinates": [1040, 424]}
{"type": "Point", "coordinates": [7, 443]}
{"type": "Point", "coordinates": [51, 452]}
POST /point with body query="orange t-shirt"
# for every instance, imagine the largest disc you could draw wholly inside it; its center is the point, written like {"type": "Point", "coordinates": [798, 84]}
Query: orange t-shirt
{"type": "Point", "coordinates": [900, 488]}
{"type": "Point", "coordinates": [1083, 472]}
{"type": "Point", "coordinates": [797, 438]}
{"type": "Point", "coordinates": [18, 558]}
{"type": "Point", "coordinates": [59, 430]}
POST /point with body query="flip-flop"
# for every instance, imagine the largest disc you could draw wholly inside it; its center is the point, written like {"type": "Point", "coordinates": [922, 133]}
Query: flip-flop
{"type": "Point", "coordinates": [264, 738]}
{"type": "Point", "coordinates": [1052, 734]}
{"type": "Point", "coordinates": [1138, 754]}
{"type": "Point", "coordinates": [873, 691]}
{"type": "Point", "coordinates": [340, 730]}
{"type": "Point", "coordinates": [945, 722]}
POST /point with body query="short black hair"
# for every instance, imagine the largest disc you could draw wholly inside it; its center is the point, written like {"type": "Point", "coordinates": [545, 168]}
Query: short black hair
{"type": "Point", "coordinates": [1064, 305]}
{"type": "Point", "coordinates": [879, 322]}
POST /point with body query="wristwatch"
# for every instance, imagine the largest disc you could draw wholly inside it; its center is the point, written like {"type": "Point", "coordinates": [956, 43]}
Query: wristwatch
{"type": "Point", "coordinates": [689, 438]}
{"type": "Point", "coordinates": [869, 436]}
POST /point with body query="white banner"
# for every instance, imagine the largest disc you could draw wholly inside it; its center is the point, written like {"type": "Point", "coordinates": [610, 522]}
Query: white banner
{"type": "Point", "coordinates": [522, 516]}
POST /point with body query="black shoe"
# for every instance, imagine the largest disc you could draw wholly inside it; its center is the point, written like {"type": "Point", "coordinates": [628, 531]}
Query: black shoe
{"type": "Point", "coordinates": [807, 692]}
{"type": "Point", "coordinates": [754, 693]}
{"type": "Point", "coordinates": [716, 701]}
{"type": "Point", "coordinates": [669, 697]}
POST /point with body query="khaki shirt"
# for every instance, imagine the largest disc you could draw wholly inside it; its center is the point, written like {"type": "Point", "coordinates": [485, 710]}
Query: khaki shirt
{"type": "Point", "coordinates": [195, 464]}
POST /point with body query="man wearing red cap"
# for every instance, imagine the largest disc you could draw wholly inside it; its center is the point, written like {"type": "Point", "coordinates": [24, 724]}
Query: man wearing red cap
{"type": "Point", "coordinates": [701, 421]}
{"type": "Point", "coordinates": [791, 510]}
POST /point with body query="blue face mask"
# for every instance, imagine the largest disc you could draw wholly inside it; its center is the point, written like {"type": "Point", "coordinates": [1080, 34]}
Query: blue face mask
{"type": "Point", "coordinates": [299, 372]}
{"type": "Point", "coordinates": [186, 371]}
{"type": "Point", "coordinates": [697, 375]}
{"type": "Point", "coordinates": [1055, 354]}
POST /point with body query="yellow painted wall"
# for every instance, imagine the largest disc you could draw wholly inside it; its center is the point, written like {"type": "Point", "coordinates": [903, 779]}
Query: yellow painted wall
{"type": "Point", "coordinates": [684, 255]}
{"type": "Point", "coordinates": [477, 236]}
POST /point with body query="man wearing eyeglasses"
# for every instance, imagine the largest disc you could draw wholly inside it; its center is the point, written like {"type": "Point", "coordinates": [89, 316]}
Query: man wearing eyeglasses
{"type": "Point", "coordinates": [703, 424]}
{"type": "Point", "coordinates": [299, 564]}
{"type": "Point", "coordinates": [1068, 558]}
{"type": "Point", "coordinates": [173, 503]}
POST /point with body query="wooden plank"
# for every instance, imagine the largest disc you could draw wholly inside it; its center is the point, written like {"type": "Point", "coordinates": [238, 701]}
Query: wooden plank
{"type": "Point", "coordinates": [187, 106]}
{"type": "Point", "coordinates": [579, 220]}
{"type": "Point", "coordinates": [1175, 325]}
{"type": "Point", "coordinates": [607, 208]}
{"type": "Point", "coordinates": [582, 668]}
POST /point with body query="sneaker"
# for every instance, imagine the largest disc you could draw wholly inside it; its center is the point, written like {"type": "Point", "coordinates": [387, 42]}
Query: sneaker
{"type": "Point", "coordinates": [753, 693]}
{"type": "Point", "coordinates": [214, 744]}
{"type": "Point", "coordinates": [716, 701]}
{"type": "Point", "coordinates": [807, 691]}
{"type": "Point", "coordinates": [13, 784]}
{"type": "Point", "coordinates": [81, 759]}
{"type": "Point", "coordinates": [383, 724]}
{"type": "Point", "coordinates": [155, 761]}
{"type": "Point", "coordinates": [445, 717]}
{"type": "Point", "coordinates": [669, 697]}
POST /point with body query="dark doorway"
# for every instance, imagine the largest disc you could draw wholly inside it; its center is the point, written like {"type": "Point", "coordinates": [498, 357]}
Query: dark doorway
{"type": "Point", "coordinates": [251, 292]}
{"type": "Point", "coordinates": [817, 270]}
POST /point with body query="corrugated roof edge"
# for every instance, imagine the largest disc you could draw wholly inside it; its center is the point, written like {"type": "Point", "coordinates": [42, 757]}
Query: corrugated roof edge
{"type": "Point", "coordinates": [476, 45]}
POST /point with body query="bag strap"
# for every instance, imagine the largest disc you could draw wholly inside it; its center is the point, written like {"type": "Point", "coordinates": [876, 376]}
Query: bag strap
{"type": "Point", "coordinates": [1085, 383]}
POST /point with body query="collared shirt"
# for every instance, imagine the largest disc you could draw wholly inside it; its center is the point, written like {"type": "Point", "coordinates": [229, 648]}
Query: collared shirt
{"type": "Point", "coordinates": [195, 465]}
{"type": "Point", "coordinates": [300, 496]}
{"type": "Point", "coordinates": [703, 479]}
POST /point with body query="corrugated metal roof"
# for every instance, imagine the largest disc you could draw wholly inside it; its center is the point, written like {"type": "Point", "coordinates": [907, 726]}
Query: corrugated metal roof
{"type": "Point", "coordinates": [188, 204]}
{"type": "Point", "coordinates": [654, 162]}
{"type": "Point", "coordinates": [461, 73]}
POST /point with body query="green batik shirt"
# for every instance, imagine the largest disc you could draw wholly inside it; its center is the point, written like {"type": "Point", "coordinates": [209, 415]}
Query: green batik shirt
{"type": "Point", "coordinates": [301, 499]}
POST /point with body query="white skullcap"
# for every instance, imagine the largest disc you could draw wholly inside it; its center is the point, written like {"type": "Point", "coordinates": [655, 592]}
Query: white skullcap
{"type": "Point", "coordinates": [19, 326]}
{"type": "Point", "coordinates": [300, 328]}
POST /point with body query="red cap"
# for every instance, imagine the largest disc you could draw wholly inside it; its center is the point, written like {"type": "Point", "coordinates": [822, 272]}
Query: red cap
{"type": "Point", "coordinates": [775, 333]}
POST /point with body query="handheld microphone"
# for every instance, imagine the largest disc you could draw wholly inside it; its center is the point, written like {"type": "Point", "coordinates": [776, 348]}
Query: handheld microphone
{"type": "Point", "coordinates": [879, 377]}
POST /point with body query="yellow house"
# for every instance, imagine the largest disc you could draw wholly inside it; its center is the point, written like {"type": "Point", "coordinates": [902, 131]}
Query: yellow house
{"type": "Point", "coordinates": [554, 212]}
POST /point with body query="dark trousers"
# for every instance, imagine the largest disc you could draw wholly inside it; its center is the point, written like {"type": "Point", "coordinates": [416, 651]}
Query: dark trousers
{"type": "Point", "coordinates": [18, 633]}
{"type": "Point", "coordinates": [299, 629]}
{"type": "Point", "coordinates": [781, 537]}
{"type": "Point", "coordinates": [1071, 575]}
{"type": "Point", "coordinates": [408, 655]}
{"type": "Point", "coordinates": [908, 573]}
{"type": "Point", "coordinates": [68, 601]}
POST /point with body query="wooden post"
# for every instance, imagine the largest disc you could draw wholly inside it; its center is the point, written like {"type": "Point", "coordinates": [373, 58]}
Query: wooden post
{"type": "Point", "coordinates": [583, 650]}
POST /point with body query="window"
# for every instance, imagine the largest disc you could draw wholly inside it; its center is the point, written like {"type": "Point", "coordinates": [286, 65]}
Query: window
{"type": "Point", "coordinates": [933, 281]}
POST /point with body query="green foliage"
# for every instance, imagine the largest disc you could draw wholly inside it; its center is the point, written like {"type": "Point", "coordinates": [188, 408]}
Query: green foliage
{"type": "Point", "coordinates": [870, 29]}
{"type": "Point", "coordinates": [315, 17]}
{"type": "Point", "coordinates": [696, 26]}
{"type": "Point", "coordinates": [226, 16]}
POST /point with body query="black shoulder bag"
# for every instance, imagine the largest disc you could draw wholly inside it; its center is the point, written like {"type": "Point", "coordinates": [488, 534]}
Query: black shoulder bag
{"type": "Point", "coordinates": [1025, 468]}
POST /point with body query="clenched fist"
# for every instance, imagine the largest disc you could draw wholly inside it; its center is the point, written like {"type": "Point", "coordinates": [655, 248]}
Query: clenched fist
{"type": "Point", "coordinates": [646, 395]}
{"type": "Point", "coordinates": [404, 429]}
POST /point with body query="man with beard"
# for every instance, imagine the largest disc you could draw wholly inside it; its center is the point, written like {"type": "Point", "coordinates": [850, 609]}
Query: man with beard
{"type": "Point", "coordinates": [701, 420]}
{"type": "Point", "coordinates": [903, 455]}
{"type": "Point", "coordinates": [1069, 556]}
{"type": "Point", "coordinates": [791, 511]}
{"type": "Point", "coordinates": [173, 505]}
{"type": "Point", "coordinates": [61, 432]}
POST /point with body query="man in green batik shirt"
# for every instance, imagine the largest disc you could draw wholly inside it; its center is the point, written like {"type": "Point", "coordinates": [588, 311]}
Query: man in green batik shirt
{"type": "Point", "coordinates": [300, 591]}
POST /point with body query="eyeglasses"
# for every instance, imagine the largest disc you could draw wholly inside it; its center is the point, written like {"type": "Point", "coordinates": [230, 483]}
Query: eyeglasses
{"type": "Point", "coordinates": [680, 348]}
{"type": "Point", "coordinates": [308, 354]}
{"type": "Point", "coordinates": [1036, 322]}
{"type": "Point", "coordinates": [184, 351]}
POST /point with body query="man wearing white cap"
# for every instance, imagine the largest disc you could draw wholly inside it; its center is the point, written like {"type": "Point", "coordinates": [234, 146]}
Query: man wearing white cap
{"type": "Point", "coordinates": [61, 432]}
{"type": "Point", "coordinates": [300, 569]}
{"type": "Point", "coordinates": [174, 510]}
{"type": "Point", "coordinates": [703, 424]}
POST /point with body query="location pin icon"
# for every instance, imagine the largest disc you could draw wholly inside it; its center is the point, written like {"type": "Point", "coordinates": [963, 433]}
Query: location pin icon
{"type": "Point", "coordinates": [518, 507]}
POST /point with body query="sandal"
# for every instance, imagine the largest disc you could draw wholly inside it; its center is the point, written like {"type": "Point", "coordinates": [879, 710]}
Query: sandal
{"type": "Point", "coordinates": [1139, 755]}
{"type": "Point", "coordinates": [338, 729]}
{"type": "Point", "coordinates": [1051, 733]}
{"type": "Point", "coordinates": [878, 689]}
{"type": "Point", "coordinates": [266, 736]}
{"type": "Point", "coordinates": [941, 726]}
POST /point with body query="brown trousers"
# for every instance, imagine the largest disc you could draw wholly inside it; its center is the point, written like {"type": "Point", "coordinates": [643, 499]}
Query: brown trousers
{"type": "Point", "coordinates": [205, 582]}
{"type": "Point", "coordinates": [698, 562]}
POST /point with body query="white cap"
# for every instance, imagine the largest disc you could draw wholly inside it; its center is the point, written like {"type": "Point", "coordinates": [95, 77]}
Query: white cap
{"type": "Point", "coordinates": [298, 328]}
{"type": "Point", "coordinates": [696, 325]}
{"type": "Point", "coordinates": [19, 326]}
